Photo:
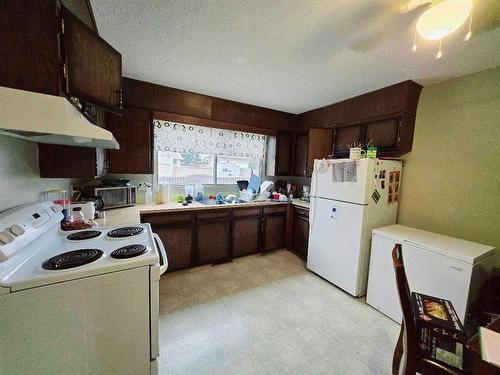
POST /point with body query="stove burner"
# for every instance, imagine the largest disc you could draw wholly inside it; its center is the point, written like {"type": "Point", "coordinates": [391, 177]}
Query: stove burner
{"type": "Point", "coordinates": [125, 232]}
{"type": "Point", "coordinates": [72, 259]}
{"type": "Point", "coordinates": [129, 251]}
{"type": "Point", "coordinates": [84, 235]}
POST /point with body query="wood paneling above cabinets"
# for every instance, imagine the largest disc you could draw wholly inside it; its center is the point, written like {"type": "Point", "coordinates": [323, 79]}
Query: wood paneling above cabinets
{"type": "Point", "coordinates": [241, 113]}
{"type": "Point", "coordinates": [162, 98]}
{"type": "Point", "coordinates": [174, 101]}
{"type": "Point", "coordinates": [398, 98]}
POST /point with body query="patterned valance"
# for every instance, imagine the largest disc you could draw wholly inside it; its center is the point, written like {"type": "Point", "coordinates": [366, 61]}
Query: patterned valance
{"type": "Point", "coordinates": [194, 139]}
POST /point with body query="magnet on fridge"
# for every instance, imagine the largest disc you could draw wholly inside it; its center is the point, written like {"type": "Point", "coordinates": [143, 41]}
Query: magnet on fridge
{"type": "Point", "coordinates": [334, 214]}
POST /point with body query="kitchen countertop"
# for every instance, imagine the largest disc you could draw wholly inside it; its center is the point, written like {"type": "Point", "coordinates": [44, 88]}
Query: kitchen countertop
{"type": "Point", "coordinates": [131, 215]}
{"type": "Point", "coordinates": [300, 203]}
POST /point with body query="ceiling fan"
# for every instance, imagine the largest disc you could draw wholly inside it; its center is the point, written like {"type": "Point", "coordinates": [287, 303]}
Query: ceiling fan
{"type": "Point", "coordinates": [440, 19]}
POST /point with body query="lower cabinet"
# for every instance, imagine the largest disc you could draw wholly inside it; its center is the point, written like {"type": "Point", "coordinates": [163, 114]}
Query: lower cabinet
{"type": "Point", "coordinates": [274, 224]}
{"type": "Point", "coordinates": [246, 231]}
{"type": "Point", "coordinates": [300, 232]}
{"type": "Point", "coordinates": [178, 245]}
{"type": "Point", "coordinates": [212, 240]}
{"type": "Point", "coordinates": [198, 237]}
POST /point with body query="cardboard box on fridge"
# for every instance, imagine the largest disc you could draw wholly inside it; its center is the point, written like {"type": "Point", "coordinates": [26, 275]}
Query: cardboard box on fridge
{"type": "Point", "coordinates": [440, 333]}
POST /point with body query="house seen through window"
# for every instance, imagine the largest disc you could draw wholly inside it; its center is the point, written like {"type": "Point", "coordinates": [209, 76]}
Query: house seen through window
{"type": "Point", "coordinates": [188, 154]}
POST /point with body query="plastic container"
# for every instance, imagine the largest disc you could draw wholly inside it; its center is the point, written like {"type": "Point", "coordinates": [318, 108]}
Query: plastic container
{"type": "Point", "coordinates": [77, 215]}
{"type": "Point", "coordinates": [149, 195]}
{"type": "Point", "coordinates": [164, 193]}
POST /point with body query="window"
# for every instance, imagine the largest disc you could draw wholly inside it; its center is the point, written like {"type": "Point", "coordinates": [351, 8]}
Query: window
{"type": "Point", "coordinates": [233, 168]}
{"type": "Point", "coordinates": [184, 168]}
{"type": "Point", "coordinates": [188, 154]}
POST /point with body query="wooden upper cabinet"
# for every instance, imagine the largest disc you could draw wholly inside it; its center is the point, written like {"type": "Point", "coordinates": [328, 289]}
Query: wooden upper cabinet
{"type": "Point", "coordinates": [133, 131]}
{"type": "Point", "coordinates": [344, 137]}
{"type": "Point", "coordinates": [393, 135]}
{"type": "Point", "coordinates": [300, 154]}
{"type": "Point", "coordinates": [320, 146]}
{"type": "Point", "coordinates": [92, 69]}
{"type": "Point", "coordinates": [384, 134]}
{"type": "Point", "coordinates": [284, 147]}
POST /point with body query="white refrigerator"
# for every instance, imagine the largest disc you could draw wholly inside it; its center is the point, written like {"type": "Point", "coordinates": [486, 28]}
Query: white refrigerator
{"type": "Point", "coordinates": [348, 199]}
{"type": "Point", "coordinates": [435, 265]}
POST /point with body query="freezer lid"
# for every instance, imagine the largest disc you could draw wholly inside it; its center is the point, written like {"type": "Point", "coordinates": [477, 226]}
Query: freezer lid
{"type": "Point", "coordinates": [461, 250]}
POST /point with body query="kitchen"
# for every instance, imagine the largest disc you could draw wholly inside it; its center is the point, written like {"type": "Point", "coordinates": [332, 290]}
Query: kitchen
{"type": "Point", "coordinates": [247, 287]}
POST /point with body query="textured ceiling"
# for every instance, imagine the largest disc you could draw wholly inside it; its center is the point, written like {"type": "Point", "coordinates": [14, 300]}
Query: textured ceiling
{"type": "Point", "coordinates": [287, 54]}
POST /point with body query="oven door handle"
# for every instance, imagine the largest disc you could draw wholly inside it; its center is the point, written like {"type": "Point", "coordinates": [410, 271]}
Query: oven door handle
{"type": "Point", "coordinates": [162, 252]}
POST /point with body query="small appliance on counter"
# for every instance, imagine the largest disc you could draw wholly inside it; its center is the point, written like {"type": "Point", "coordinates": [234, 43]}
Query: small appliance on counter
{"type": "Point", "coordinates": [59, 196]}
{"type": "Point", "coordinates": [111, 196]}
{"type": "Point", "coordinates": [305, 193]}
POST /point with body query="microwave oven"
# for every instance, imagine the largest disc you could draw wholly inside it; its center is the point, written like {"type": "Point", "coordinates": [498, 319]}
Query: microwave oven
{"type": "Point", "coordinates": [112, 196]}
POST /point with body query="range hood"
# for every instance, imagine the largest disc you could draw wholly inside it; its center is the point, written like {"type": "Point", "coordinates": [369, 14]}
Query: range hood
{"type": "Point", "coordinates": [49, 119]}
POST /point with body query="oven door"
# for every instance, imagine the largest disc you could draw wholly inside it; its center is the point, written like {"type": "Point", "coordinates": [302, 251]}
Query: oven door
{"type": "Point", "coordinates": [114, 196]}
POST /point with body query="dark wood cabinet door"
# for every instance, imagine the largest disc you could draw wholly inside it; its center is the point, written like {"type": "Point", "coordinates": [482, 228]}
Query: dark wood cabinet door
{"type": "Point", "coordinates": [300, 233]}
{"type": "Point", "coordinates": [384, 134]}
{"type": "Point", "coordinates": [93, 69]}
{"type": "Point", "coordinates": [246, 235]}
{"type": "Point", "coordinates": [345, 137]}
{"type": "Point", "coordinates": [29, 48]}
{"type": "Point", "coordinates": [178, 242]}
{"type": "Point", "coordinates": [274, 231]}
{"type": "Point", "coordinates": [212, 241]}
{"type": "Point", "coordinates": [320, 146]}
{"type": "Point", "coordinates": [133, 131]}
{"type": "Point", "coordinates": [56, 161]}
{"type": "Point", "coordinates": [284, 147]}
{"type": "Point", "coordinates": [300, 154]}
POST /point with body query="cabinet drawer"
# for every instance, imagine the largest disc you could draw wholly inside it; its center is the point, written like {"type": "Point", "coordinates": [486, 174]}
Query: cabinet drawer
{"type": "Point", "coordinates": [212, 214]}
{"type": "Point", "coordinates": [179, 218]}
{"type": "Point", "coordinates": [240, 212]}
{"type": "Point", "coordinates": [302, 213]}
{"type": "Point", "coordinates": [275, 209]}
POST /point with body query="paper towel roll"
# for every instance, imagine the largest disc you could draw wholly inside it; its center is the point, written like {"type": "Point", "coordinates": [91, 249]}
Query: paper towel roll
{"type": "Point", "coordinates": [164, 193]}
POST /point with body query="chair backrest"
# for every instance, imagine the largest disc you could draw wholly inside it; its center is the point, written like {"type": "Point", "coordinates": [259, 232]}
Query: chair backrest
{"type": "Point", "coordinates": [410, 334]}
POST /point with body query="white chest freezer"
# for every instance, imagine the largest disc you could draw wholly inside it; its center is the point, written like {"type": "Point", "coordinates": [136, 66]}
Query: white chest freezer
{"type": "Point", "coordinates": [435, 265]}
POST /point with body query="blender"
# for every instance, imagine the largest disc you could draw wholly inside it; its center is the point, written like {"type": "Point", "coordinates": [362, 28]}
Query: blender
{"type": "Point", "coordinates": [305, 193]}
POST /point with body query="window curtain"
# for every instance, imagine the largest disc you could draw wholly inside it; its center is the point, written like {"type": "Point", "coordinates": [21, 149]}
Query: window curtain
{"type": "Point", "coordinates": [194, 139]}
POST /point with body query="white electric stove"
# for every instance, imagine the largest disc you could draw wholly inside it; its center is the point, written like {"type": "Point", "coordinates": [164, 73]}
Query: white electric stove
{"type": "Point", "coordinates": [82, 301]}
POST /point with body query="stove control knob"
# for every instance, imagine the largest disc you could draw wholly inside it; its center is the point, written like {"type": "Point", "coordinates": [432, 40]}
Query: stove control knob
{"type": "Point", "coordinates": [17, 229]}
{"type": "Point", "coordinates": [6, 237]}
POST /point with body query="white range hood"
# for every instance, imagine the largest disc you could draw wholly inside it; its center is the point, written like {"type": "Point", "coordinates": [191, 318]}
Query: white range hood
{"type": "Point", "coordinates": [49, 119]}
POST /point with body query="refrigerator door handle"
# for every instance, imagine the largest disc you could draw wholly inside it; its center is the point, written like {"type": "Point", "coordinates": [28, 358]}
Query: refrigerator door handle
{"type": "Point", "coordinates": [311, 212]}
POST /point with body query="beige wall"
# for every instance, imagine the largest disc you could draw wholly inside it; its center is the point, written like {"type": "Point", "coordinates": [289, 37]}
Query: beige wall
{"type": "Point", "coordinates": [451, 181]}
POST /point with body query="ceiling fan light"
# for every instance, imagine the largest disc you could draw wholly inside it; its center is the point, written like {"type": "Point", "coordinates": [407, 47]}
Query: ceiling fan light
{"type": "Point", "coordinates": [443, 18]}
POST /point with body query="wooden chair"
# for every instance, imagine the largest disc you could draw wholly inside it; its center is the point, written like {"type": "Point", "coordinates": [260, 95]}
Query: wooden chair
{"type": "Point", "coordinates": [406, 347]}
